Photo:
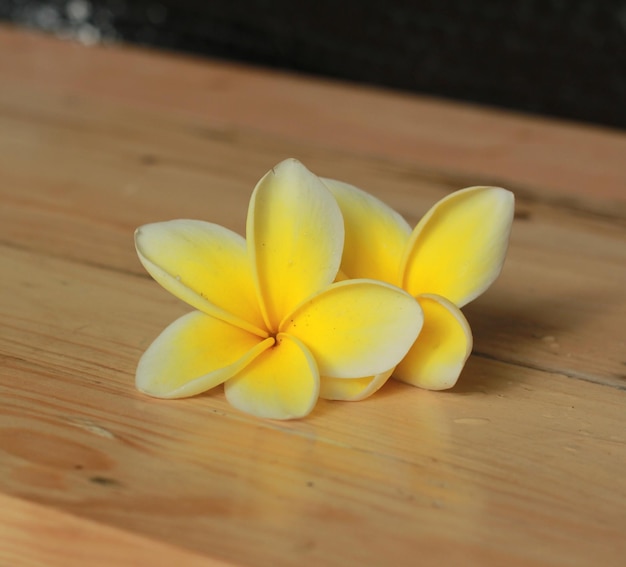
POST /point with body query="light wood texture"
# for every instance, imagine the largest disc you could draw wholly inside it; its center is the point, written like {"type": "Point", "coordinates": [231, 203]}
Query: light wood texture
{"type": "Point", "coordinates": [521, 464]}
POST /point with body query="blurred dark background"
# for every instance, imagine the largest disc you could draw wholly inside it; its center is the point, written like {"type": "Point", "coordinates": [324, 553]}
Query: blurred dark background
{"type": "Point", "coordinates": [564, 58]}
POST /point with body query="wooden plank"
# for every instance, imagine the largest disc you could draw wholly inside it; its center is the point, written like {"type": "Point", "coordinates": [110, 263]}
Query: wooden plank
{"type": "Point", "coordinates": [38, 536]}
{"type": "Point", "coordinates": [477, 473]}
{"type": "Point", "coordinates": [522, 463]}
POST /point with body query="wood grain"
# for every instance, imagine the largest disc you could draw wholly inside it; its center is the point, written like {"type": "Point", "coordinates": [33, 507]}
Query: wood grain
{"type": "Point", "coordinates": [578, 163]}
{"type": "Point", "coordinates": [522, 463]}
{"type": "Point", "coordinates": [36, 536]}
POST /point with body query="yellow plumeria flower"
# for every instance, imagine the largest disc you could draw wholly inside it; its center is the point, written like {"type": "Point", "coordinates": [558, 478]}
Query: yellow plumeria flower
{"type": "Point", "coordinates": [452, 256]}
{"type": "Point", "coordinates": [269, 320]}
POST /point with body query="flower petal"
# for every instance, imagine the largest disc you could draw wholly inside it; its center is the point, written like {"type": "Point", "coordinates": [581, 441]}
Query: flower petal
{"type": "Point", "coordinates": [376, 235]}
{"type": "Point", "coordinates": [194, 354]}
{"type": "Point", "coordinates": [458, 248]}
{"type": "Point", "coordinates": [205, 265]}
{"type": "Point", "coordinates": [436, 359]}
{"type": "Point", "coordinates": [352, 389]}
{"type": "Point", "coordinates": [282, 383]}
{"type": "Point", "coordinates": [295, 238]}
{"type": "Point", "coordinates": [356, 328]}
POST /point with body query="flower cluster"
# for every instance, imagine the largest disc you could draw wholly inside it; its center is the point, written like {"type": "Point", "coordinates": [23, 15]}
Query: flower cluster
{"type": "Point", "coordinates": [329, 294]}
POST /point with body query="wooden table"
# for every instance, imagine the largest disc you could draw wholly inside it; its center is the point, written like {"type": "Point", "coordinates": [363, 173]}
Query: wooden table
{"type": "Point", "coordinates": [523, 463]}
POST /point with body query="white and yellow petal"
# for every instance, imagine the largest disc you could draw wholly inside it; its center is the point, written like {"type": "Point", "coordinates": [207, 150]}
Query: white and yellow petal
{"type": "Point", "coordinates": [375, 235]}
{"type": "Point", "coordinates": [356, 328]}
{"type": "Point", "coordinates": [438, 356]}
{"type": "Point", "coordinates": [295, 238]}
{"type": "Point", "coordinates": [457, 250]}
{"type": "Point", "coordinates": [205, 265]}
{"type": "Point", "coordinates": [282, 383]}
{"type": "Point", "coordinates": [352, 389]}
{"type": "Point", "coordinates": [194, 354]}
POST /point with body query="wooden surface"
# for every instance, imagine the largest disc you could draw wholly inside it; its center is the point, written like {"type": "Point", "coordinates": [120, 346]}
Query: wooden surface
{"type": "Point", "coordinates": [521, 464]}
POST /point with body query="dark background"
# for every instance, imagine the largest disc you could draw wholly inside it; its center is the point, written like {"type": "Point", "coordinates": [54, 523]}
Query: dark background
{"type": "Point", "coordinates": [564, 58]}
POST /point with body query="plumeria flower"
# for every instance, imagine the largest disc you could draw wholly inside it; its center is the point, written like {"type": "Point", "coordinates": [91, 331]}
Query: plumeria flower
{"type": "Point", "coordinates": [451, 257]}
{"type": "Point", "coordinates": [269, 323]}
